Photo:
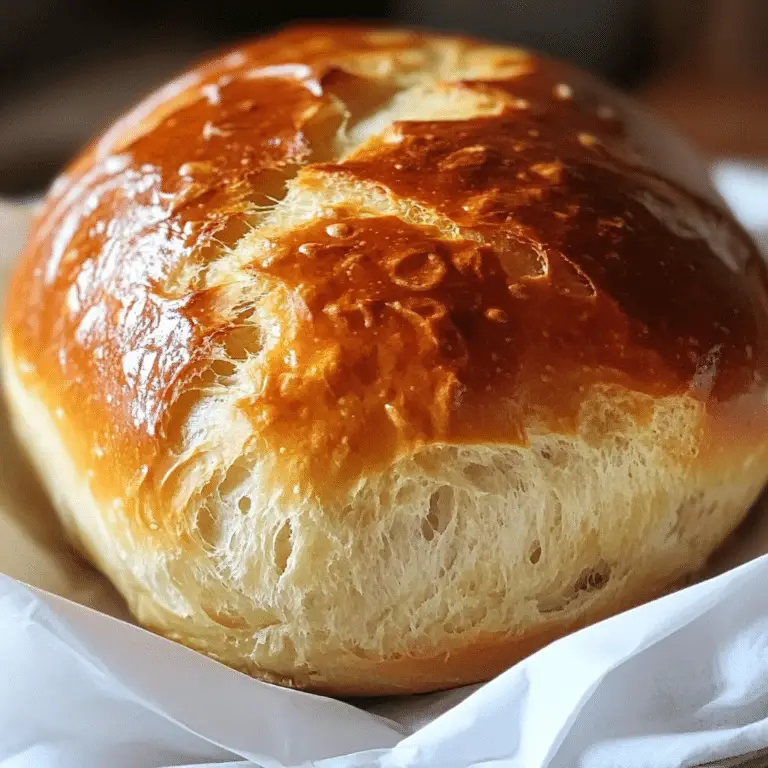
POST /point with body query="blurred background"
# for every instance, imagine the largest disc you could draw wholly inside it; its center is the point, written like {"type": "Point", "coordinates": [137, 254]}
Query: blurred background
{"type": "Point", "coordinates": [68, 67]}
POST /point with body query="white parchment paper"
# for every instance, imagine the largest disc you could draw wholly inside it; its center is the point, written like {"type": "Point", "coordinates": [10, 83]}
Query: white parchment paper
{"type": "Point", "coordinates": [682, 681]}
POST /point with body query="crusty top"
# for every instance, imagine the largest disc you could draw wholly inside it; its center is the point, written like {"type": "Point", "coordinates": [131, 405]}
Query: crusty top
{"type": "Point", "coordinates": [522, 250]}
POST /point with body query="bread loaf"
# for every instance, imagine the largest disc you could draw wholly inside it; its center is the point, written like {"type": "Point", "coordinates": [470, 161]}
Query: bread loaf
{"type": "Point", "coordinates": [370, 361]}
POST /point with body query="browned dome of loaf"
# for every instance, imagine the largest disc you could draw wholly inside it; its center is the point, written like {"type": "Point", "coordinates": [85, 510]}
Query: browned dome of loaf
{"type": "Point", "coordinates": [380, 243]}
{"type": "Point", "coordinates": [548, 198]}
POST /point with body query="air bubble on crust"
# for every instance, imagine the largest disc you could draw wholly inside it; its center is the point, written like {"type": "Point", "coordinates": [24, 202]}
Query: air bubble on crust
{"type": "Point", "coordinates": [474, 156]}
{"type": "Point", "coordinates": [417, 270]}
{"type": "Point", "coordinates": [570, 280]}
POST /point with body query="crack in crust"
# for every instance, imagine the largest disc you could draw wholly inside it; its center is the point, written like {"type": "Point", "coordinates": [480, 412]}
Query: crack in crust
{"type": "Point", "coordinates": [493, 193]}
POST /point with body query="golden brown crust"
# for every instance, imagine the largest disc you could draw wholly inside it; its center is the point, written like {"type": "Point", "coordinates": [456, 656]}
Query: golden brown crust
{"type": "Point", "coordinates": [605, 287]}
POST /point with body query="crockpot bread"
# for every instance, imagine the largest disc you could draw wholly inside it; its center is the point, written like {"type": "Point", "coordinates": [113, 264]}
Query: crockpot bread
{"type": "Point", "coordinates": [368, 361]}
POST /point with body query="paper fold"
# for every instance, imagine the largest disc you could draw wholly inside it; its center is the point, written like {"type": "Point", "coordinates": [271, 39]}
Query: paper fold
{"type": "Point", "coordinates": [678, 682]}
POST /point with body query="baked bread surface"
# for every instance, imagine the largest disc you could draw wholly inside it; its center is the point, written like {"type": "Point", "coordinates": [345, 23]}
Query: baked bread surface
{"type": "Point", "coordinates": [369, 361]}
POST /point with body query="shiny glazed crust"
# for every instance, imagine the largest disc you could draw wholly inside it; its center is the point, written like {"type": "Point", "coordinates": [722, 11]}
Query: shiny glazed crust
{"type": "Point", "coordinates": [367, 361]}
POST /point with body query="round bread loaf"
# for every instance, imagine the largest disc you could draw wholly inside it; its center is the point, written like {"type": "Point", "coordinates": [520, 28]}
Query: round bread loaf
{"type": "Point", "coordinates": [369, 361]}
